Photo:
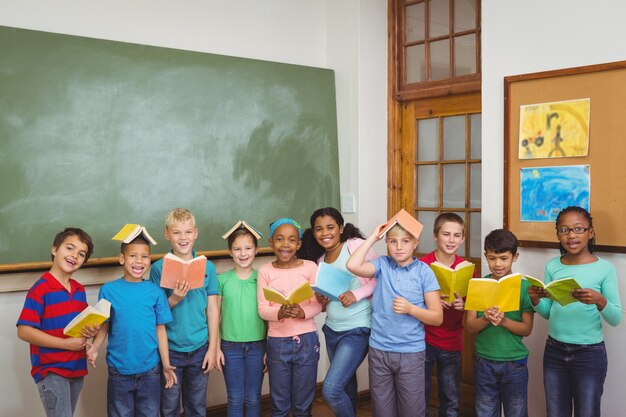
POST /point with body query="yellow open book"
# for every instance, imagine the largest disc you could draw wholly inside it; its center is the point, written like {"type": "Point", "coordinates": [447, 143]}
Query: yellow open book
{"type": "Point", "coordinates": [484, 293]}
{"type": "Point", "coordinates": [131, 231]}
{"type": "Point", "coordinates": [453, 280]}
{"type": "Point", "coordinates": [560, 290]}
{"type": "Point", "coordinates": [299, 294]}
{"type": "Point", "coordinates": [97, 314]}
{"type": "Point", "coordinates": [240, 224]}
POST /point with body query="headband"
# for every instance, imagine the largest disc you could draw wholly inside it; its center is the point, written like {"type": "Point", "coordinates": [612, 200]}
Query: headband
{"type": "Point", "coordinates": [285, 220]}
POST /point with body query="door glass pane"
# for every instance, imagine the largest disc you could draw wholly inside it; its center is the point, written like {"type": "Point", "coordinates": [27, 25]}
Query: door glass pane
{"type": "Point", "coordinates": [464, 15]}
{"type": "Point", "coordinates": [465, 55]}
{"type": "Point", "coordinates": [426, 186]}
{"type": "Point", "coordinates": [440, 59]}
{"type": "Point", "coordinates": [427, 244]}
{"type": "Point", "coordinates": [415, 27]}
{"type": "Point", "coordinates": [439, 22]}
{"type": "Point", "coordinates": [454, 138]}
{"type": "Point", "coordinates": [475, 189]}
{"type": "Point", "coordinates": [474, 236]}
{"type": "Point", "coordinates": [454, 185]}
{"type": "Point", "coordinates": [427, 143]}
{"type": "Point", "coordinates": [461, 250]}
{"type": "Point", "coordinates": [475, 136]}
{"type": "Point", "coordinates": [415, 64]}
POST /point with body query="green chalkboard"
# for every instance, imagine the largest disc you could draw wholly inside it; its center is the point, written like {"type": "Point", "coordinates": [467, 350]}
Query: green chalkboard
{"type": "Point", "coordinates": [96, 134]}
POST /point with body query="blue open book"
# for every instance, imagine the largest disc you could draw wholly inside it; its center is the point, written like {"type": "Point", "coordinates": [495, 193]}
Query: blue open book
{"type": "Point", "coordinates": [331, 281]}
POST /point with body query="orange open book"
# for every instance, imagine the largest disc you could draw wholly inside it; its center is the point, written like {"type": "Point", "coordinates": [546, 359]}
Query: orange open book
{"type": "Point", "coordinates": [177, 269]}
{"type": "Point", "coordinates": [404, 219]}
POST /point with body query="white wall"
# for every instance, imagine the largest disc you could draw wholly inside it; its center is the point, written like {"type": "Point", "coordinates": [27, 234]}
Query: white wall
{"type": "Point", "coordinates": [348, 36]}
{"type": "Point", "coordinates": [529, 36]}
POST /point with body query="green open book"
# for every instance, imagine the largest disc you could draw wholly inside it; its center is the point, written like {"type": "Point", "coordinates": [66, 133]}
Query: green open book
{"type": "Point", "coordinates": [560, 290]}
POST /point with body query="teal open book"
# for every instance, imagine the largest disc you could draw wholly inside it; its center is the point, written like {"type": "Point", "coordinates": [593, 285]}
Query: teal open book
{"type": "Point", "coordinates": [331, 281]}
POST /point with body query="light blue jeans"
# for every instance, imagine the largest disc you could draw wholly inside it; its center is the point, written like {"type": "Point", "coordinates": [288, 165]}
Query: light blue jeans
{"type": "Point", "coordinates": [346, 350]}
{"type": "Point", "coordinates": [59, 394]}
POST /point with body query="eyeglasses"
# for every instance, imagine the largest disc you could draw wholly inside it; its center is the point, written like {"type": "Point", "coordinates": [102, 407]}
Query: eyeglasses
{"type": "Point", "coordinates": [562, 231]}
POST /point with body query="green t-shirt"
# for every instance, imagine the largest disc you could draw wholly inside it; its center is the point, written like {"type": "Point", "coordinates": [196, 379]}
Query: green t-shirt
{"type": "Point", "coordinates": [497, 343]}
{"type": "Point", "coordinates": [240, 314]}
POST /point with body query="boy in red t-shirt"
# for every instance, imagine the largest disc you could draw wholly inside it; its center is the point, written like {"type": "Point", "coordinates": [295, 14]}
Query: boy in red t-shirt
{"type": "Point", "coordinates": [445, 343]}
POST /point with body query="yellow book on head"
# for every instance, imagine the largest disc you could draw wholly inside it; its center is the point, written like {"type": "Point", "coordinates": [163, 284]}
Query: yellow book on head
{"type": "Point", "coordinates": [484, 293]}
{"type": "Point", "coordinates": [299, 294]}
{"type": "Point", "coordinates": [453, 280]}
{"type": "Point", "coordinates": [131, 231]}
{"type": "Point", "coordinates": [97, 314]}
{"type": "Point", "coordinates": [560, 290]}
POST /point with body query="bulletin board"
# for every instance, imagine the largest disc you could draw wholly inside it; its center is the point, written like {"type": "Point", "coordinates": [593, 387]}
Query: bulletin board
{"type": "Point", "coordinates": [605, 87]}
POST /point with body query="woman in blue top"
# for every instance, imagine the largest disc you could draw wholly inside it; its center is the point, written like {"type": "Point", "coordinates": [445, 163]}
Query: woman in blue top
{"type": "Point", "coordinates": [348, 320]}
{"type": "Point", "coordinates": [575, 360]}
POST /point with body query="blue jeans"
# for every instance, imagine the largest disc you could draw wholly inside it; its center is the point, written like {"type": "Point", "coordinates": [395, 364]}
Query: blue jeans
{"type": "Point", "coordinates": [501, 384]}
{"type": "Point", "coordinates": [292, 371]}
{"type": "Point", "coordinates": [59, 394]}
{"type": "Point", "coordinates": [573, 375]}
{"type": "Point", "coordinates": [346, 350]}
{"type": "Point", "coordinates": [134, 395]}
{"type": "Point", "coordinates": [448, 379]}
{"type": "Point", "coordinates": [243, 374]}
{"type": "Point", "coordinates": [192, 385]}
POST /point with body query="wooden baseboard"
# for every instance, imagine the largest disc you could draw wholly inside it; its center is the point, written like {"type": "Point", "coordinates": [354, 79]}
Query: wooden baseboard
{"type": "Point", "coordinates": [220, 410]}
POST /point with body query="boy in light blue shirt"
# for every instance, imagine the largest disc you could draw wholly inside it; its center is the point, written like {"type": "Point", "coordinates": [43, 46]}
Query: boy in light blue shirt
{"type": "Point", "coordinates": [193, 335]}
{"type": "Point", "coordinates": [405, 298]}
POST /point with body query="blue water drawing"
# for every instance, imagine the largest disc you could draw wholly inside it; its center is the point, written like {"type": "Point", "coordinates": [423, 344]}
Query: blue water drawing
{"type": "Point", "coordinates": [544, 191]}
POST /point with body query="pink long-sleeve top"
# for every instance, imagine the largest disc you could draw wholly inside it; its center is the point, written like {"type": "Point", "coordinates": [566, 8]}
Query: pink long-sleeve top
{"type": "Point", "coordinates": [285, 280]}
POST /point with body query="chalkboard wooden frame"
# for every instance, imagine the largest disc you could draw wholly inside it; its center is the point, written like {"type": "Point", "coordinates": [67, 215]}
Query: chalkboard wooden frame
{"type": "Point", "coordinates": [96, 134]}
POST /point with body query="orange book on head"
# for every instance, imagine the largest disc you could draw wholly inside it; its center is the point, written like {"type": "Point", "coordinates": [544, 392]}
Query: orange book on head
{"type": "Point", "coordinates": [408, 223]}
{"type": "Point", "coordinates": [177, 269]}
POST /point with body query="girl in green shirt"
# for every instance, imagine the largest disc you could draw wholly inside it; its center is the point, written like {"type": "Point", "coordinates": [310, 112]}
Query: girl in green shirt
{"type": "Point", "coordinates": [241, 328]}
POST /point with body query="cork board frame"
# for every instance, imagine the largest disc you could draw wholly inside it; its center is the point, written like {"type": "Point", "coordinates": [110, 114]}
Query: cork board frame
{"type": "Point", "coordinates": [605, 85]}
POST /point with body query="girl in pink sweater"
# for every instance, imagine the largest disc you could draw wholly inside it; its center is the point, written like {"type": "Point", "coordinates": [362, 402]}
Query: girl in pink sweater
{"type": "Point", "coordinates": [292, 343]}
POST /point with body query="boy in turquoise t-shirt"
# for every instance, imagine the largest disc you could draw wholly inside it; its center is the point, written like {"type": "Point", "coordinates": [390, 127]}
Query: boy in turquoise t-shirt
{"type": "Point", "coordinates": [501, 374]}
{"type": "Point", "coordinates": [193, 335]}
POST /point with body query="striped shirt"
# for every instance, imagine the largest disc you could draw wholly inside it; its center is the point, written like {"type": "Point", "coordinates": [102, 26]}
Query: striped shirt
{"type": "Point", "coordinates": [49, 307]}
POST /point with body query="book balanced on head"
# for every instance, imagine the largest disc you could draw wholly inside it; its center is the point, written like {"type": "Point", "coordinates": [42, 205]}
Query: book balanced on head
{"type": "Point", "coordinates": [131, 231]}
{"type": "Point", "coordinates": [484, 293]}
{"type": "Point", "coordinates": [408, 223]}
{"type": "Point", "coordinates": [245, 225]}
{"type": "Point", "coordinates": [453, 280]}
{"type": "Point", "coordinates": [97, 314]}
{"type": "Point", "coordinates": [559, 290]}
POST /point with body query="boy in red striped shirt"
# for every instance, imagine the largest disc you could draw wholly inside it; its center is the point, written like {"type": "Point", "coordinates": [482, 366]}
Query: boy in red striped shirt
{"type": "Point", "coordinates": [58, 361]}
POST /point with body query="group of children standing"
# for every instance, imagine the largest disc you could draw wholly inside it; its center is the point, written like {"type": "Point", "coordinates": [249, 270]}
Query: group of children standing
{"type": "Point", "coordinates": [162, 343]}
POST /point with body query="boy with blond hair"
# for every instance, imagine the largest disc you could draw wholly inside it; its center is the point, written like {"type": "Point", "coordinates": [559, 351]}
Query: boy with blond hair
{"type": "Point", "coordinates": [405, 298]}
{"type": "Point", "coordinates": [58, 361]}
{"type": "Point", "coordinates": [444, 343]}
{"type": "Point", "coordinates": [193, 335]}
